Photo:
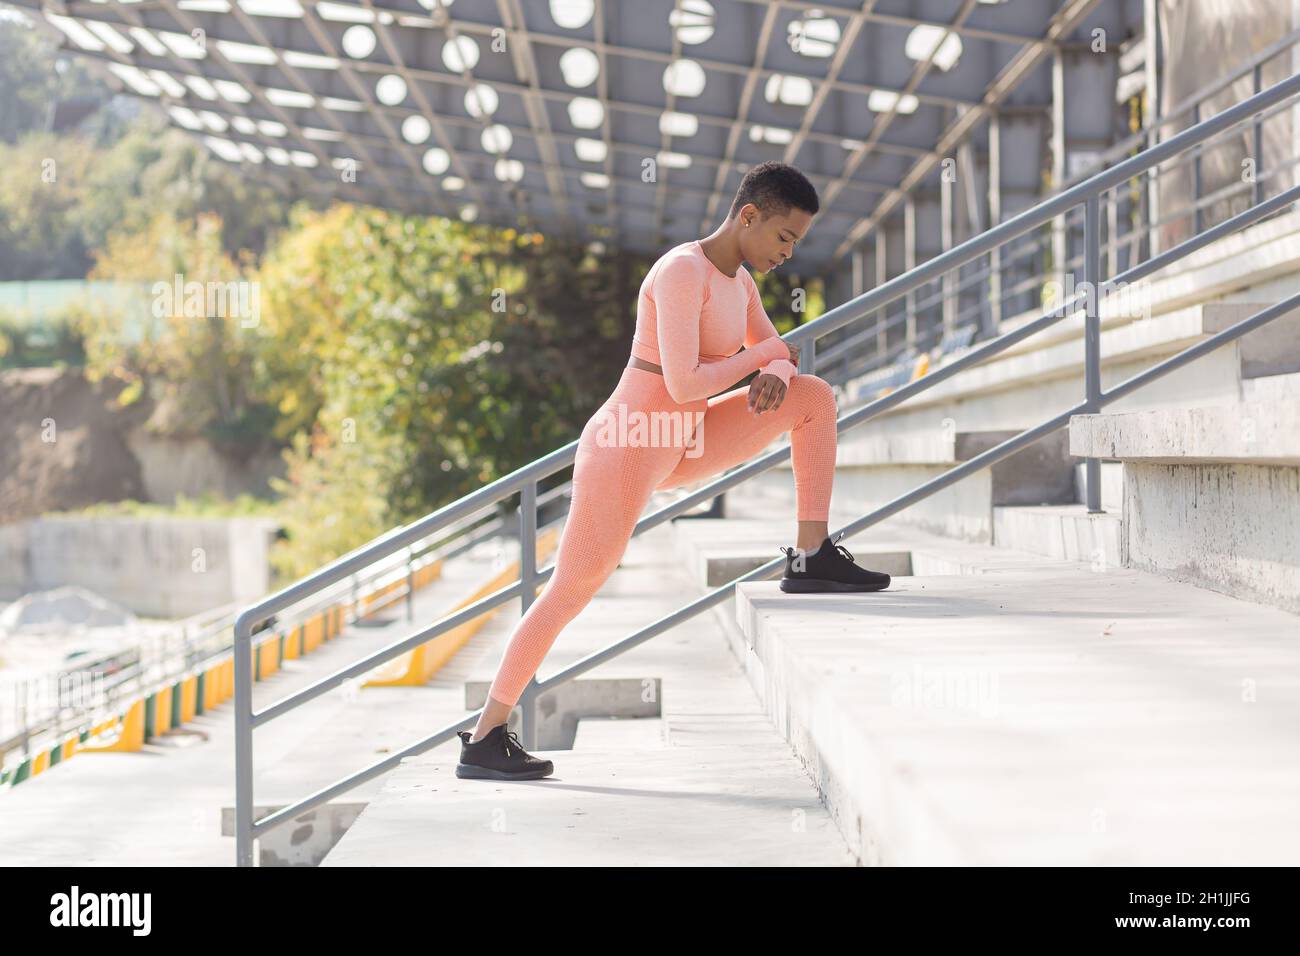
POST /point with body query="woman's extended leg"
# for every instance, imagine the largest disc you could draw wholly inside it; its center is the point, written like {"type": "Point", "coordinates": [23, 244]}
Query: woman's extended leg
{"type": "Point", "coordinates": [611, 486]}
{"type": "Point", "coordinates": [731, 434]}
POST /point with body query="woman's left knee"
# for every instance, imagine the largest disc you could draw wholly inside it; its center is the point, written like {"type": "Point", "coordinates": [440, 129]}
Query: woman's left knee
{"type": "Point", "coordinates": [818, 389]}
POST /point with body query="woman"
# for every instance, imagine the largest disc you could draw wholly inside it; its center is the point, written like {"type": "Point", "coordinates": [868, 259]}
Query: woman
{"type": "Point", "coordinates": [660, 429]}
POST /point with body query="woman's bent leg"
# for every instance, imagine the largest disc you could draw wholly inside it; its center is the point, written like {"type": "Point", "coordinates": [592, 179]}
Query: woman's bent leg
{"type": "Point", "coordinates": [731, 434]}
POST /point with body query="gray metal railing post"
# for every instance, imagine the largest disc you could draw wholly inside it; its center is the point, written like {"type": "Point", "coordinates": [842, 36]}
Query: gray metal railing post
{"type": "Point", "coordinates": [1257, 143]}
{"type": "Point", "coordinates": [1092, 339]}
{"type": "Point", "coordinates": [1197, 189]}
{"type": "Point", "coordinates": [410, 584]}
{"type": "Point", "coordinates": [243, 741]}
{"type": "Point", "coordinates": [808, 357]}
{"type": "Point", "coordinates": [527, 594]}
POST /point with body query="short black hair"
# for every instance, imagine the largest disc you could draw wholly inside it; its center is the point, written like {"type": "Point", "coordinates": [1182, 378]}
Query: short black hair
{"type": "Point", "coordinates": [774, 188]}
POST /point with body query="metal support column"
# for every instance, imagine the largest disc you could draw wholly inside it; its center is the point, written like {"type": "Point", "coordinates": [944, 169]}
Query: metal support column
{"type": "Point", "coordinates": [882, 276]}
{"type": "Point", "coordinates": [1058, 162]}
{"type": "Point", "coordinates": [1151, 116]}
{"type": "Point", "coordinates": [527, 594]}
{"type": "Point", "coordinates": [1092, 339]}
{"type": "Point", "coordinates": [994, 312]}
{"type": "Point", "coordinates": [909, 262]}
{"type": "Point", "coordinates": [949, 284]}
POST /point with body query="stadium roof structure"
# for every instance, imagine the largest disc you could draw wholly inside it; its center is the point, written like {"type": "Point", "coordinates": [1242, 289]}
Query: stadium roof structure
{"type": "Point", "coordinates": [628, 122]}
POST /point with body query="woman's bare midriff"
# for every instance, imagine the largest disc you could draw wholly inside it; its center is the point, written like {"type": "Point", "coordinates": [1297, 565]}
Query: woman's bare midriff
{"type": "Point", "coordinates": [635, 362]}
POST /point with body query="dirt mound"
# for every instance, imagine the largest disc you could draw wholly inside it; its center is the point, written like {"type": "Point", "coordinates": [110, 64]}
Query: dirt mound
{"type": "Point", "coordinates": [63, 442]}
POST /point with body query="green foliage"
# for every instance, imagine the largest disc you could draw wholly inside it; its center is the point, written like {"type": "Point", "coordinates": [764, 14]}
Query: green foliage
{"type": "Point", "coordinates": [201, 370]}
{"type": "Point", "coordinates": [333, 499]}
{"type": "Point", "coordinates": [475, 350]}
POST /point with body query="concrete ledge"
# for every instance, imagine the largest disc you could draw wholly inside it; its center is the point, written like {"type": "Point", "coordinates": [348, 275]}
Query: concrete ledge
{"type": "Point", "coordinates": [1261, 433]}
{"type": "Point", "coordinates": [714, 567]}
{"type": "Point", "coordinates": [1272, 349]}
{"type": "Point", "coordinates": [1057, 717]}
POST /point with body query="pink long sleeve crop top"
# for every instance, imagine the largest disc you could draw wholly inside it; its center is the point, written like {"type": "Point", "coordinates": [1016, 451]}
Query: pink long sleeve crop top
{"type": "Point", "coordinates": [691, 320]}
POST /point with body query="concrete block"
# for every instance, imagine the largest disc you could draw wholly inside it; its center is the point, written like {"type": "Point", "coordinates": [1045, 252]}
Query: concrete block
{"type": "Point", "coordinates": [1065, 532]}
{"type": "Point", "coordinates": [1231, 527]}
{"type": "Point", "coordinates": [1272, 349]}
{"type": "Point", "coordinates": [303, 841]}
{"type": "Point", "coordinates": [560, 710]}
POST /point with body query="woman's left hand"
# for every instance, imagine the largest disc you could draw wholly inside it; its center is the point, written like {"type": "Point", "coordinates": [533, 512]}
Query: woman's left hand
{"type": "Point", "coordinates": [766, 392]}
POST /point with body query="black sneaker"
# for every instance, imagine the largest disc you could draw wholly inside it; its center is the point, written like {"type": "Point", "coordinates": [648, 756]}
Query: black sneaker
{"type": "Point", "coordinates": [829, 568]}
{"type": "Point", "coordinates": [498, 756]}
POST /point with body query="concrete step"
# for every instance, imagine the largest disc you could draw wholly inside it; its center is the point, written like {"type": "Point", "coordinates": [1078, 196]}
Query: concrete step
{"type": "Point", "coordinates": [1212, 495]}
{"type": "Point", "coordinates": [1267, 388]}
{"type": "Point", "coordinates": [718, 805]}
{"type": "Point", "coordinates": [876, 469]}
{"type": "Point", "coordinates": [1065, 532]}
{"type": "Point", "coordinates": [716, 552]}
{"type": "Point", "coordinates": [1255, 433]}
{"type": "Point", "coordinates": [1112, 484]}
{"type": "Point", "coordinates": [1059, 716]}
{"type": "Point", "coordinates": [606, 733]}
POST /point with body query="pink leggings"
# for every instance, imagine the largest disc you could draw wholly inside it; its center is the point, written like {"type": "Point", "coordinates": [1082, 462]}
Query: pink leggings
{"type": "Point", "coordinates": [640, 441]}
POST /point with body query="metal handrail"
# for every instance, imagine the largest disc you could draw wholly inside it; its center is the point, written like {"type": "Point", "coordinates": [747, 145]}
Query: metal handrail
{"type": "Point", "coordinates": [525, 479]}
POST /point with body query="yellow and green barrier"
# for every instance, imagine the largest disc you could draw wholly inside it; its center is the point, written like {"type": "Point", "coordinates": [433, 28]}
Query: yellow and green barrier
{"type": "Point", "coordinates": [152, 715]}
{"type": "Point", "coordinates": [420, 663]}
